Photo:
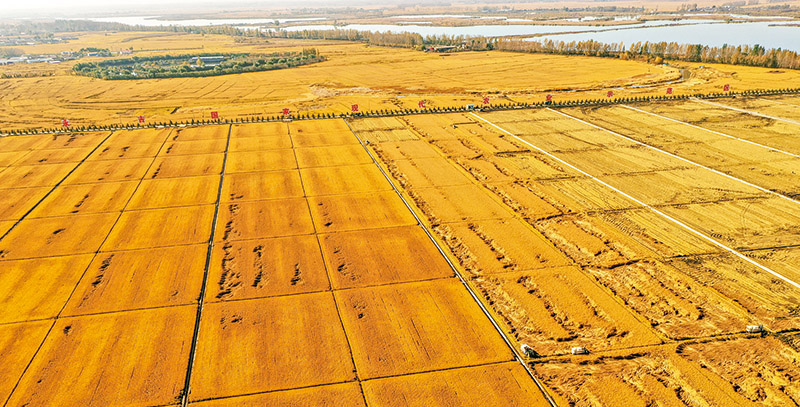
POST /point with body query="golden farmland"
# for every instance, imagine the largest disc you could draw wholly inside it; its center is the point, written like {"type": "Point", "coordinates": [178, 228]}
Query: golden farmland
{"type": "Point", "coordinates": [375, 78]}
{"type": "Point", "coordinates": [399, 261]}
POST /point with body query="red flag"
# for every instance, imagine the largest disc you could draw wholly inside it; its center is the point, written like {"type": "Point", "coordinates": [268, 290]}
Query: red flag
{"type": "Point", "coordinates": [726, 87]}
{"type": "Point", "coordinates": [141, 119]}
{"type": "Point", "coordinates": [286, 111]}
{"type": "Point", "coordinates": [65, 123]}
{"type": "Point", "coordinates": [215, 115]}
{"type": "Point", "coordinates": [421, 104]}
{"type": "Point", "coordinates": [610, 93]}
{"type": "Point", "coordinates": [354, 108]}
{"type": "Point", "coordinates": [549, 97]}
{"type": "Point", "coordinates": [485, 101]}
{"type": "Point", "coordinates": [669, 91]}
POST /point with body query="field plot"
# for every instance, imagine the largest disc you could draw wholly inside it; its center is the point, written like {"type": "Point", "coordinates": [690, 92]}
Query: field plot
{"type": "Point", "coordinates": [745, 224]}
{"type": "Point", "coordinates": [252, 186]}
{"type": "Point", "coordinates": [765, 298]}
{"type": "Point", "coordinates": [381, 256]}
{"type": "Point", "coordinates": [260, 131]}
{"type": "Point", "coordinates": [55, 156]}
{"type": "Point", "coordinates": [185, 166]}
{"type": "Point", "coordinates": [204, 133]}
{"type": "Point", "coordinates": [160, 227]}
{"type": "Point", "coordinates": [491, 385]}
{"type": "Point", "coordinates": [38, 288]}
{"type": "Point", "coordinates": [320, 133]}
{"type": "Point", "coordinates": [375, 210]}
{"type": "Point", "coordinates": [210, 146]}
{"type": "Point", "coordinates": [757, 164]}
{"type": "Point", "coordinates": [502, 245]}
{"type": "Point", "coordinates": [334, 395]}
{"type": "Point", "coordinates": [91, 172]}
{"type": "Point", "coordinates": [18, 343]}
{"type": "Point", "coordinates": [463, 203]}
{"type": "Point", "coordinates": [255, 219]}
{"type": "Point", "coordinates": [555, 309]}
{"type": "Point", "coordinates": [44, 237]}
{"type": "Point", "coordinates": [786, 107]}
{"type": "Point", "coordinates": [268, 160]}
{"type": "Point", "coordinates": [637, 378]}
{"type": "Point", "coordinates": [184, 191]}
{"type": "Point", "coordinates": [118, 149]}
{"type": "Point", "coordinates": [769, 132]}
{"type": "Point", "coordinates": [15, 203]}
{"type": "Point", "coordinates": [241, 144]}
{"type": "Point", "coordinates": [128, 139]}
{"type": "Point", "coordinates": [237, 337]}
{"type": "Point", "coordinates": [139, 279]}
{"type": "Point", "coordinates": [85, 199]}
{"type": "Point", "coordinates": [349, 154]}
{"type": "Point", "coordinates": [109, 359]}
{"type": "Point", "coordinates": [347, 179]}
{"type": "Point", "coordinates": [21, 144]}
{"type": "Point", "coordinates": [769, 365]}
{"type": "Point", "coordinates": [34, 175]}
{"type": "Point", "coordinates": [266, 267]}
{"type": "Point", "coordinates": [421, 336]}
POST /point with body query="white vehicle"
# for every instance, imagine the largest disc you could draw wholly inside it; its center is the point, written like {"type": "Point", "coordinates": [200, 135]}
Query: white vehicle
{"type": "Point", "coordinates": [579, 350]}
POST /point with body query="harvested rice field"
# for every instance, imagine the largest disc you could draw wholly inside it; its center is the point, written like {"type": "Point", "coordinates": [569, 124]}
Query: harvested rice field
{"type": "Point", "coordinates": [637, 232]}
{"type": "Point", "coordinates": [584, 256]}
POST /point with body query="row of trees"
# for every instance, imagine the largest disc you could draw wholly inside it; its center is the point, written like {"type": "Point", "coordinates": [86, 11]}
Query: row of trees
{"type": "Point", "coordinates": [655, 52]}
{"type": "Point", "coordinates": [180, 66]}
{"type": "Point", "coordinates": [400, 112]}
{"type": "Point", "coordinates": [754, 55]}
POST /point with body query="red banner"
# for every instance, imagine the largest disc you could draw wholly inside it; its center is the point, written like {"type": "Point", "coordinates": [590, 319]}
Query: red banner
{"type": "Point", "coordinates": [65, 123]}
{"type": "Point", "coordinates": [421, 104]}
{"type": "Point", "coordinates": [669, 91]}
{"type": "Point", "coordinates": [141, 119]}
{"type": "Point", "coordinates": [286, 111]}
{"type": "Point", "coordinates": [726, 87]}
{"type": "Point", "coordinates": [354, 108]}
{"type": "Point", "coordinates": [214, 115]}
{"type": "Point", "coordinates": [485, 101]}
{"type": "Point", "coordinates": [549, 97]}
{"type": "Point", "coordinates": [610, 94]}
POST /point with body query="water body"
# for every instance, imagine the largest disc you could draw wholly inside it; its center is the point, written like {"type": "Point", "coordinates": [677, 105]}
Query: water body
{"type": "Point", "coordinates": [770, 34]}
{"type": "Point", "coordinates": [767, 34]}
{"type": "Point", "coordinates": [487, 30]}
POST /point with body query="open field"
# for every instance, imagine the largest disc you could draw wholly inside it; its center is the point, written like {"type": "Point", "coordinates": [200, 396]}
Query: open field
{"type": "Point", "coordinates": [104, 264]}
{"type": "Point", "coordinates": [334, 85]}
{"type": "Point", "coordinates": [399, 261]}
{"type": "Point", "coordinates": [643, 267]}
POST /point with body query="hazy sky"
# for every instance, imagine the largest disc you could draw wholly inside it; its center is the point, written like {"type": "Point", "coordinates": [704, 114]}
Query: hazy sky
{"type": "Point", "coordinates": [71, 8]}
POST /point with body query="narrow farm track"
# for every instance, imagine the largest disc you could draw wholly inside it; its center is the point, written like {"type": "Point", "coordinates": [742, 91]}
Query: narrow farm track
{"type": "Point", "coordinates": [328, 276]}
{"type": "Point", "coordinates": [654, 210]}
{"type": "Point", "coordinates": [201, 299]}
{"type": "Point", "coordinates": [461, 278]}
